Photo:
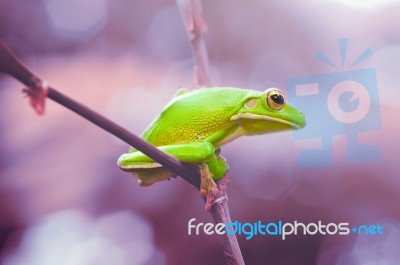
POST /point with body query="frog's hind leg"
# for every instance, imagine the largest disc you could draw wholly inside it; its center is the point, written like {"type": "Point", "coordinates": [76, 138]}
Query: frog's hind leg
{"type": "Point", "coordinates": [212, 167]}
{"type": "Point", "coordinates": [148, 171]}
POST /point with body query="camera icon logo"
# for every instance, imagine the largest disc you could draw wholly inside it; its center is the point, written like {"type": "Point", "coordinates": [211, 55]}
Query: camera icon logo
{"type": "Point", "coordinates": [344, 102]}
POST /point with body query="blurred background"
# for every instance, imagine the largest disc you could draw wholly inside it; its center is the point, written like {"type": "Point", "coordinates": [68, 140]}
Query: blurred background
{"type": "Point", "coordinates": [64, 201]}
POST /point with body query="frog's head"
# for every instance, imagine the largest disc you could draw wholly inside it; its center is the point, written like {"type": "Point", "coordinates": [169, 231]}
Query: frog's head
{"type": "Point", "coordinates": [268, 112]}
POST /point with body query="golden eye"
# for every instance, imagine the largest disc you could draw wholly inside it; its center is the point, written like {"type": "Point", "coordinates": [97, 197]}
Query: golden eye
{"type": "Point", "coordinates": [275, 99]}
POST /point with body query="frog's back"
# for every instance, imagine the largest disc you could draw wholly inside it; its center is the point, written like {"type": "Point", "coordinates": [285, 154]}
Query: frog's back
{"type": "Point", "coordinates": [194, 116]}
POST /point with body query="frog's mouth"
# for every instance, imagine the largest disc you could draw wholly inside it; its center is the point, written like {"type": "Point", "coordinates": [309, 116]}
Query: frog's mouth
{"type": "Point", "coordinates": [252, 121]}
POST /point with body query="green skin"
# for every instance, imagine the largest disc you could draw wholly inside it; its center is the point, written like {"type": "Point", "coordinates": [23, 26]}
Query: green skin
{"type": "Point", "coordinates": [194, 125]}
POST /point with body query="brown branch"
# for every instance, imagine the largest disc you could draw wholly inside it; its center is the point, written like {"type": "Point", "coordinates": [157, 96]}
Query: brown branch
{"type": "Point", "coordinates": [220, 214]}
{"type": "Point", "coordinates": [11, 65]}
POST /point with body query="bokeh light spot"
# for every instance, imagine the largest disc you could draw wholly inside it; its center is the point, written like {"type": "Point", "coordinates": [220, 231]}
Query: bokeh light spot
{"type": "Point", "coordinates": [73, 238]}
{"type": "Point", "coordinates": [76, 19]}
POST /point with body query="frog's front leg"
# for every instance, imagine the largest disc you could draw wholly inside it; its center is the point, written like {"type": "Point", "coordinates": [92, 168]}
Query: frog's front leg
{"type": "Point", "coordinates": [190, 153]}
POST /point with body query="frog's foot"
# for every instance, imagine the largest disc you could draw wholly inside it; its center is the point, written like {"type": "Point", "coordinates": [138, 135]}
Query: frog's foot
{"type": "Point", "coordinates": [208, 188]}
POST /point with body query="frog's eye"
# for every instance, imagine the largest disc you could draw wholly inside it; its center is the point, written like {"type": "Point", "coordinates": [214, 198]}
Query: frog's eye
{"type": "Point", "coordinates": [275, 99]}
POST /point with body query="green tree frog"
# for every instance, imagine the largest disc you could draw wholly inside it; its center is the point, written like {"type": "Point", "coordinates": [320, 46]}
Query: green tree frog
{"type": "Point", "coordinates": [195, 124]}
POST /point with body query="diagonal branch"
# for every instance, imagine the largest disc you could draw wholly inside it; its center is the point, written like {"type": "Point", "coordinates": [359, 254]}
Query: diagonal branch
{"type": "Point", "coordinates": [11, 65]}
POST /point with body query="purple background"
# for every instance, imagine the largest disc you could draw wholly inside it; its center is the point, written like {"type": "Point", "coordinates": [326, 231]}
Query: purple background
{"type": "Point", "coordinates": [64, 201]}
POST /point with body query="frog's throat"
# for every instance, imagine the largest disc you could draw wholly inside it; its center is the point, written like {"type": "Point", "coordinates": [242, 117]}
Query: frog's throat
{"type": "Point", "coordinates": [252, 116]}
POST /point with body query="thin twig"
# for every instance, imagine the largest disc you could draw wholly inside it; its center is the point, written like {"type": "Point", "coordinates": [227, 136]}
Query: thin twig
{"type": "Point", "coordinates": [220, 214]}
{"type": "Point", "coordinates": [196, 27]}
